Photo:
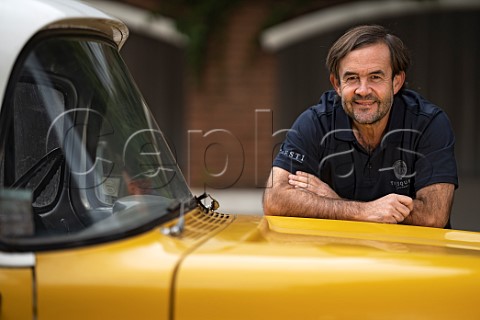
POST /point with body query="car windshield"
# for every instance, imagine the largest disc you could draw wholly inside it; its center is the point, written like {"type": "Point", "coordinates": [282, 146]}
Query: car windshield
{"type": "Point", "coordinates": [80, 138]}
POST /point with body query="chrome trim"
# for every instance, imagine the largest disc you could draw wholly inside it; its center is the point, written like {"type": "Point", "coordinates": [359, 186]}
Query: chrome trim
{"type": "Point", "coordinates": [17, 260]}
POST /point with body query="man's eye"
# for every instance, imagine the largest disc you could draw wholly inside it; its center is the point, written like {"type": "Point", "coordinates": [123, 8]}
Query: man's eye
{"type": "Point", "coordinates": [376, 78]}
{"type": "Point", "coordinates": [351, 79]}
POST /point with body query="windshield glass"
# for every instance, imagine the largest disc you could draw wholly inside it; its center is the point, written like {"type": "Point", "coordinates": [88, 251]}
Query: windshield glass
{"type": "Point", "coordinates": [82, 140]}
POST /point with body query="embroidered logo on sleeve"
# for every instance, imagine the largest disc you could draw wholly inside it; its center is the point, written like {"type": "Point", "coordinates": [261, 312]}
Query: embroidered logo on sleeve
{"type": "Point", "coordinates": [293, 155]}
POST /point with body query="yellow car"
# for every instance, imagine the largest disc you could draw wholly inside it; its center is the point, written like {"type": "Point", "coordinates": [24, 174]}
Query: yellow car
{"type": "Point", "coordinates": [97, 221]}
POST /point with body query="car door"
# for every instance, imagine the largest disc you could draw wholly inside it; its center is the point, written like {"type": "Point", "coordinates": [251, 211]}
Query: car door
{"type": "Point", "coordinates": [17, 289]}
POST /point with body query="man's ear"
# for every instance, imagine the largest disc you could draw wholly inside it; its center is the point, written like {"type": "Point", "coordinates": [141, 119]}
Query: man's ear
{"type": "Point", "coordinates": [335, 83]}
{"type": "Point", "coordinates": [398, 81]}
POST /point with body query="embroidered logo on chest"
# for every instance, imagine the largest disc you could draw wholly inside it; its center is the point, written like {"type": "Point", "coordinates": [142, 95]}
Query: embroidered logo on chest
{"type": "Point", "coordinates": [400, 171]}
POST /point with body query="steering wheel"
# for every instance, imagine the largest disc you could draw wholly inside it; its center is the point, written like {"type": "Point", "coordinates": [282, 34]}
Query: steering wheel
{"type": "Point", "coordinates": [45, 169]}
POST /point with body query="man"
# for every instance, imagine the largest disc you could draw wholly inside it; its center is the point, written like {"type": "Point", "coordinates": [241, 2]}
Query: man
{"type": "Point", "coordinates": [371, 150]}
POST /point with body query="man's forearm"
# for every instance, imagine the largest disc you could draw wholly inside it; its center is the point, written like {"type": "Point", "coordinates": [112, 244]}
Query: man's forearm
{"type": "Point", "coordinates": [307, 196]}
{"type": "Point", "coordinates": [422, 215]}
{"type": "Point", "coordinates": [299, 203]}
{"type": "Point", "coordinates": [432, 206]}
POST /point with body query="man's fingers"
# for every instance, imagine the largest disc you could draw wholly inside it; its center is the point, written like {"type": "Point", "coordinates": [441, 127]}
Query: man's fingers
{"type": "Point", "coordinates": [399, 217]}
{"type": "Point", "coordinates": [403, 205]}
{"type": "Point", "coordinates": [298, 184]}
{"type": "Point", "coordinates": [403, 210]}
{"type": "Point", "coordinates": [395, 207]}
{"type": "Point", "coordinates": [303, 179]}
{"type": "Point", "coordinates": [313, 184]}
{"type": "Point", "coordinates": [406, 201]}
{"type": "Point", "coordinates": [301, 173]}
{"type": "Point", "coordinates": [297, 177]}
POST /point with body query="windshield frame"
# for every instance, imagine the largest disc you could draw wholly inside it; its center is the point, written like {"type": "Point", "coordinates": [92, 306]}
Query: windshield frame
{"type": "Point", "coordinates": [79, 239]}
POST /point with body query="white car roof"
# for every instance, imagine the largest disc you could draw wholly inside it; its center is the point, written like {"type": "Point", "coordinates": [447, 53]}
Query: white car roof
{"type": "Point", "coordinates": [20, 20]}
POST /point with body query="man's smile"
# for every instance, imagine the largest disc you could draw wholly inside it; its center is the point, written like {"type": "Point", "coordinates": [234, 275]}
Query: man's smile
{"type": "Point", "coordinates": [364, 103]}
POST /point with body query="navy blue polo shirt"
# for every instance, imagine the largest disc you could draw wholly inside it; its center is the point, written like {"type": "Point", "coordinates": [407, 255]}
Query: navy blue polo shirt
{"type": "Point", "coordinates": [417, 149]}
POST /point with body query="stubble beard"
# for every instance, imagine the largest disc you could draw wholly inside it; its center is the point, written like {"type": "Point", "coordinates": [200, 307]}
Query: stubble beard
{"type": "Point", "coordinates": [367, 117]}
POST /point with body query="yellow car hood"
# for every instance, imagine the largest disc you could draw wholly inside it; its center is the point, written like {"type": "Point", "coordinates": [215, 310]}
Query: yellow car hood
{"type": "Point", "coordinates": [294, 268]}
{"type": "Point", "coordinates": [253, 267]}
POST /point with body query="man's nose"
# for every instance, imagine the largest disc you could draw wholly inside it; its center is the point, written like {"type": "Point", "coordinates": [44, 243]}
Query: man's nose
{"type": "Point", "coordinates": [363, 88]}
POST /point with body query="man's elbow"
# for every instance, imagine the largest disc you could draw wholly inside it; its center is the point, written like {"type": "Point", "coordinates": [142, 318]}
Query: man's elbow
{"type": "Point", "coordinates": [268, 207]}
{"type": "Point", "coordinates": [435, 222]}
{"type": "Point", "coordinates": [271, 206]}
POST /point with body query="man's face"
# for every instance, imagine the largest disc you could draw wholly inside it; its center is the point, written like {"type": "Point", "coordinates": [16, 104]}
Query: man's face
{"type": "Point", "coordinates": [366, 85]}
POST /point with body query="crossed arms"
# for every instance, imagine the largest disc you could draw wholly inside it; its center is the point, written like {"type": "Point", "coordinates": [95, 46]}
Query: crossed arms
{"type": "Point", "coordinates": [305, 195]}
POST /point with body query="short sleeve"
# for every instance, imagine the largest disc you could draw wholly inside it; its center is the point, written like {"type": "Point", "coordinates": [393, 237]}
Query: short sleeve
{"type": "Point", "coordinates": [298, 151]}
{"type": "Point", "coordinates": [435, 154]}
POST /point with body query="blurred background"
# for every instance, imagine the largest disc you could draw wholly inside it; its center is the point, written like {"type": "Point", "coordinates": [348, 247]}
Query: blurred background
{"type": "Point", "coordinates": [225, 78]}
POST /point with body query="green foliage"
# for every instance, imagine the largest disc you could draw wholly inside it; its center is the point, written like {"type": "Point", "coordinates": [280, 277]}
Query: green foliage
{"type": "Point", "coordinates": [284, 10]}
{"type": "Point", "coordinates": [199, 20]}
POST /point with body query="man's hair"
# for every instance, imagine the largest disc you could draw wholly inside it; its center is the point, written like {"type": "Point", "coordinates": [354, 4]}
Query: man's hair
{"type": "Point", "coordinates": [365, 35]}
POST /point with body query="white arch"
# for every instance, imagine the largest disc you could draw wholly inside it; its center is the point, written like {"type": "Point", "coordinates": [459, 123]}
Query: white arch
{"type": "Point", "coordinates": [306, 26]}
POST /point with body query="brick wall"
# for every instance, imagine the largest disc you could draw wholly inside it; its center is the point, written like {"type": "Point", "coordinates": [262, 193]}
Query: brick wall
{"type": "Point", "coordinates": [227, 147]}
{"type": "Point", "coordinates": [225, 138]}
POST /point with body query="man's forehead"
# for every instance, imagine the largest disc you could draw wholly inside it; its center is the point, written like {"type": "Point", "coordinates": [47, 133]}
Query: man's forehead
{"type": "Point", "coordinates": [368, 59]}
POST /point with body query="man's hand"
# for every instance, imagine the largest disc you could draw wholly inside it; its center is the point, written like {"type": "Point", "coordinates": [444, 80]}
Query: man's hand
{"type": "Point", "coordinates": [392, 208]}
{"type": "Point", "coordinates": [309, 182]}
